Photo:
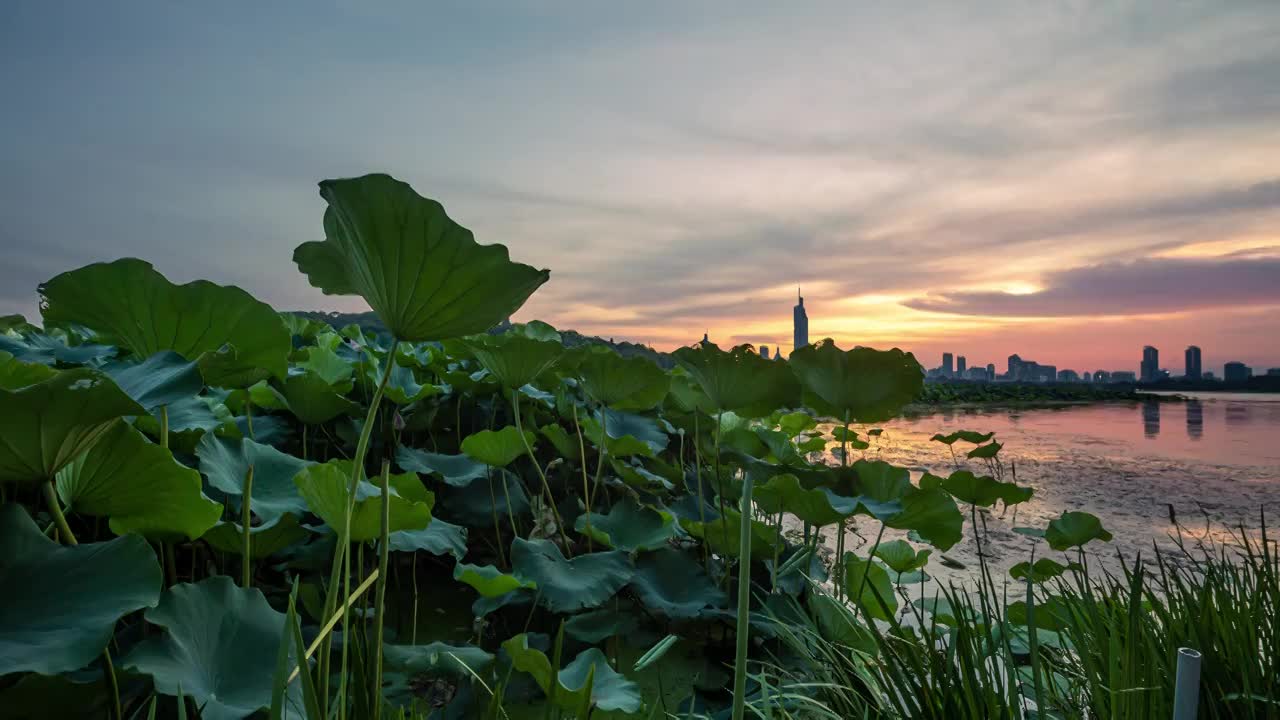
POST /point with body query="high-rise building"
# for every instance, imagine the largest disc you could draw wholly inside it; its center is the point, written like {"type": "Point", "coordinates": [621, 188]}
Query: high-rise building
{"type": "Point", "coordinates": [991, 372]}
{"type": "Point", "coordinates": [1101, 376]}
{"type": "Point", "coordinates": [961, 365]}
{"type": "Point", "coordinates": [1193, 363]}
{"type": "Point", "coordinates": [764, 351]}
{"type": "Point", "coordinates": [1150, 368]}
{"type": "Point", "coordinates": [948, 370]}
{"type": "Point", "coordinates": [1236, 372]}
{"type": "Point", "coordinates": [1015, 367]}
{"type": "Point", "coordinates": [800, 323]}
{"type": "Point", "coordinates": [1068, 376]}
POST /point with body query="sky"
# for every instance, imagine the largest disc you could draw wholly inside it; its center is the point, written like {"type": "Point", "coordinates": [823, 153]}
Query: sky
{"type": "Point", "coordinates": [1065, 180]}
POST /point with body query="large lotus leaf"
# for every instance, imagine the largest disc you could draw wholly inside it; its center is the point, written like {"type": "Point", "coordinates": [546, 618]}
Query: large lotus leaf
{"type": "Point", "coordinates": [864, 384]}
{"type": "Point", "coordinates": [264, 540]}
{"type": "Point", "coordinates": [819, 506]}
{"type": "Point", "coordinates": [139, 486]}
{"type": "Point", "coordinates": [629, 526]}
{"type": "Point", "coordinates": [61, 603]}
{"type": "Point", "coordinates": [686, 394]}
{"type": "Point", "coordinates": [739, 380]}
{"type": "Point", "coordinates": [722, 535]}
{"type": "Point", "coordinates": [932, 514]}
{"type": "Point", "coordinates": [312, 400]}
{"type": "Point", "coordinates": [983, 491]}
{"type": "Point", "coordinates": [514, 359]}
{"type": "Point", "coordinates": [608, 689]}
{"type": "Point", "coordinates": [50, 349]}
{"type": "Point", "coordinates": [403, 387]}
{"type": "Point", "coordinates": [237, 339]}
{"type": "Point", "coordinates": [456, 470]}
{"type": "Point", "coordinates": [1075, 529]}
{"type": "Point", "coordinates": [15, 373]}
{"type": "Point", "coordinates": [423, 274]}
{"type": "Point", "coordinates": [796, 422]}
{"type": "Point", "coordinates": [46, 425]}
{"type": "Point", "coordinates": [326, 364]}
{"type": "Point", "coordinates": [622, 383]}
{"type": "Point", "coordinates": [162, 379]}
{"type": "Point", "coordinates": [880, 480]}
{"type": "Point", "coordinates": [674, 584]}
{"type": "Point", "coordinates": [497, 448]}
{"type": "Point", "coordinates": [324, 487]}
{"type": "Point", "coordinates": [901, 557]}
{"type": "Point", "coordinates": [226, 463]}
{"type": "Point", "coordinates": [969, 436]}
{"type": "Point", "coordinates": [463, 661]}
{"type": "Point", "coordinates": [583, 582]}
{"type": "Point", "coordinates": [867, 584]}
{"type": "Point", "coordinates": [620, 424]}
{"type": "Point", "coordinates": [219, 647]}
{"type": "Point", "coordinates": [489, 581]}
{"type": "Point", "coordinates": [438, 538]}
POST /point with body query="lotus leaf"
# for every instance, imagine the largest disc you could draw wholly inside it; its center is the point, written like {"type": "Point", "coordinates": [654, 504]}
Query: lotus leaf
{"type": "Point", "coordinates": [50, 350]}
{"type": "Point", "coordinates": [324, 488]}
{"type": "Point", "coordinates": [162, 379]}
{"type": "Point", "coordinates": [583, 582]}
{"type": "Point", "coordinates": [463, 661]}
{"type": "Point", "coordinates": [61, 603]}
{"type": "Point", "coordinates": [621, 383]}
{"type": "Point", "coordinates": [312, 400]}
{"type": "Point", "coordinates": [15, 373]}
{"type": "Point", "coordinates": [219, 647]}
{"type": "Point", "coordinates": [819, 506]}
{"type": "Point", "coordinates": [475, 504]}
{"type": "Point", "coordinates": [969, 436]}
{"type": "Point", "coordinates": [796, 422]}
{"type": "Point", "coordinates": [674, 584]}
{"type": "Point", "coordinates": [901, 557]}
{"type": "Point", "coordinates": [139, 486]}
{"type": "Point", "coordinates": [738, 380]}
{"type": "Point", "coordinates": [881, 481]}
{"type": "Point", "coordinates": [839, 625]}
{"type": "Point", "coordinates": [629, 526]}
{"type": "Point", "coordinates": [423, 274]}
{"type": "Point", "coordinates": [862, 384]}
{"type": "Point", "coordinates": [983, 491]}
{"type": "Point", "coordinates": [489, 581]}
{"type": "Point", "coordinates": [585, 682]}
{"type": "Point", "coordinates": [226, 463]}
{"type": "Point", "coordinates": [46, 425]}
{"type": "Point", "coordinates": [514, 359]}
{"type": "Point", "coordinates": [497, 448]}
{"type": "Point", "coordinates": [264, 540]}
{"type": "Point", "coordinates": [236, 339]}
{"type": "Point", "coordinates": [438, 538]}
{"type": "Point", "coordinates": [1043, 569]}
{"type": "Point", "coordinates": [932, 515]}
{"type": "Point", "coordinates": [722, 535]}
{"type": "Point", "coordinates": [868, 586]}
{"type": "Point", "coordinates": [559, 437]}
{"type": "Point", "coordinates": [1075, 529]}
{"type": "Point", "coordinates": [985, 451]}
{"type": "Point", "coordinates": [593, 626]}
{"type": "Point", "coordinates": [456, 470]}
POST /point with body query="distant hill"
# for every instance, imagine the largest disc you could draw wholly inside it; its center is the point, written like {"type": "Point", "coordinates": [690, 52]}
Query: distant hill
{"type": "Point", "coordinates": [369, 323]}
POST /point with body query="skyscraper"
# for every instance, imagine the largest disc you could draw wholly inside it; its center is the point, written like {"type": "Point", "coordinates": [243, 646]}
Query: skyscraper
{"type": "Point", "coordinates": [1236, 371]}
{"type": "Point", "coordinates": [1150, 368]}
{"type": "Point", "coordinates": [947, 368]}
{"type": "Point", "coordinates": [800, 320]}
{"type": "Point", "coordinates": [961, 365]}
{"type": "Point", "coordinates": [764, 351]}
{"type": "Point", "coordinates": [1193, 363]}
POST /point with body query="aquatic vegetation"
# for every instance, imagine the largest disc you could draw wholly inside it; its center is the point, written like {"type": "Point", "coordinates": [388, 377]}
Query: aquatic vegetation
{"type": "Point", "coordinates": [440, 520]}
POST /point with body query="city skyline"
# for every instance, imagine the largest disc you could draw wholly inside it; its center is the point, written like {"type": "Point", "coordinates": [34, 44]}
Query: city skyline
{"type": "Point", "coordinates": [1056, 194]}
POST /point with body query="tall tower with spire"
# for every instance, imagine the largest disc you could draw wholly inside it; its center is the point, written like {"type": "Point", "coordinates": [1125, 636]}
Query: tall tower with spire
{"type": "Point", "coordinates": [800, 323]}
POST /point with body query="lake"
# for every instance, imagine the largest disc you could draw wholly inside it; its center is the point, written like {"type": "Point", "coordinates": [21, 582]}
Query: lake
{"type": "Point", "coordinates": [1215, 458]}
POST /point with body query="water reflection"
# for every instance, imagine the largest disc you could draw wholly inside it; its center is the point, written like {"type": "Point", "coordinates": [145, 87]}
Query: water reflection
{"type": "Point", "coordinates": [1237, 413]}
{"type": "Point", "coordinates": [1195, 419]}
{"type": "Point", "coordinates": [1151, 418]}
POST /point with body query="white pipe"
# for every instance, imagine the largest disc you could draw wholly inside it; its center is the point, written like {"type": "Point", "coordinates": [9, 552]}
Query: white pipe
{"type": "Point", "coordinates": [1186, 689]}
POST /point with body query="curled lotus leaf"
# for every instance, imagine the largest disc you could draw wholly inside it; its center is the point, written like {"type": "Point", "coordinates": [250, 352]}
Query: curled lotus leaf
{"type": "Point", "coordinates": [862, 384]}
{"type": "Point", "coordinates": [47, 425]}
{"type": "Point", "coordinates": [818, 506]}
{"type": "Point", "coordinates": [970, 436]}
{"type": "Point", "coordinates": [423, 274]}
{"type": "Point", "coordinates": [219, 647]}
{"type": "Point", "coordinates": [621, 383]}
{"type": "Point", "coordinates": [739, 380]}
{"type": "Point", "coordinates": [236, 339]}
{"type": "Point", "coordinates": [569, 585]}
{"type": "Point", "coordinates": [586, 682]}
{"type": "Point", "coordinates": [61, 602]}
{"type": "Point", "coordinates": [139, 486]}
{"type": "Point", "coordinates": [513, 358]}
{"type": "Point", "coordinates": [497, 448]}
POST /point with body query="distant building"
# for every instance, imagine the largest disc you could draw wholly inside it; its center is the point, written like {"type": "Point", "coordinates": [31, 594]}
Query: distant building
{"type": "Point", "coordinates": [1208, 375]}
{"type": "Point", "coordinates": [1068, 376]}
{"type": "Point", "coordinates": [1123, 376]}
{"type": "Point", "coordinates": [961, 365]}
{"type": "Point", "coordinates": [991, 372]}
{"type": "Point", "coordinates": [1193, 363]}
{"type": "Point", "coordinates": [1236, 372]}
{"type": "Point", "coordinates": [1086, 377]}
{"type": "Point", "coordinates": [1101, 376]}
{"type": "Point", "coordinates": [800, 323]}
{"type": "Point", "coordinates": [1150, 368]}
{"type": "Point", "coordinates": [1015, 366]}
{"type": "Point", "coordinates": [764, 351]}
{"type": "Point", "coordinates": [947, 369]}
{"type": "Point", "coordinates": [976, 374]}
{"type": "Point", "coordinates": [1273, 372]}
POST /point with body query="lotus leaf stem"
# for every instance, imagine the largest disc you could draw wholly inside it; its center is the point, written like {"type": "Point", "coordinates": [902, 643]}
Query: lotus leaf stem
{"type": "Point", "coordinates": [246, 521]}
{"type": "Point", "coordinates": [55, 509]}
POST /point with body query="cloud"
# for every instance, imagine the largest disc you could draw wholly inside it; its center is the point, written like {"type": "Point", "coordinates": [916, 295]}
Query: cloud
{"type": "Point", "coordinates": [1141, 287]}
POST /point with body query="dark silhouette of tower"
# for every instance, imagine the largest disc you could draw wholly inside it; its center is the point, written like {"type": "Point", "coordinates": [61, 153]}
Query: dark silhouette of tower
{"type": "Point", "coordinates": [1150, 369]}
{"type": "Point", "coordinates": [1193, 363]}
{"type": "Point", "coordinates": [800, 320]}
